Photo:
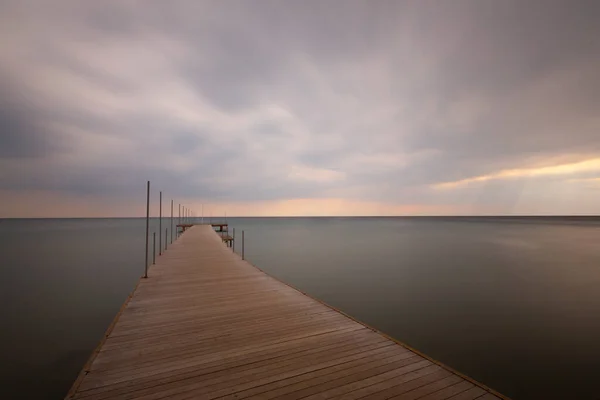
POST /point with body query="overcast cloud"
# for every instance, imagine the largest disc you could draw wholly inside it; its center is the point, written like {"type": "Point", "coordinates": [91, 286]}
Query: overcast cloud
{"type": "Point", "coordinates": [300, 107]}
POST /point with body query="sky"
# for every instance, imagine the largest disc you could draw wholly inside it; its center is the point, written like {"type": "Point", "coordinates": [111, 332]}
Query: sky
{"type": "Point", "coordinates": [338, 107]}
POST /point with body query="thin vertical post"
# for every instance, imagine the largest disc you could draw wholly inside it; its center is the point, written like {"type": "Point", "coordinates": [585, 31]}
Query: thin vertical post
{"type": "Point", "coordinates": [160, 224]}
{"type": "Point", "coordinates": [153, 247]}
{"type": "Point", "coordinates": [147, 226]}
{"type": "Point", "coordinates": [171, 221]}
{"type": "Point", "coordinates": [243, 245]}
{"type": "Point", "coordinates": [233, 241]}
{"type": "Point", "coordinates": [166, 237]}
{"type": "Point", "coordinates": [202, 212]}
{"type": "Point", "coordinates": [179, 215]}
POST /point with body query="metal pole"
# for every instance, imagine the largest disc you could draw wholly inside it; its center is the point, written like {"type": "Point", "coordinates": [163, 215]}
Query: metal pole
{"type": "Point", "coordinates": [243, 245]}
{"type": "Point", "coordinates": [233, 241]}
{"type": "Point", "coordinates": [166, 237]}
{"type": "Point", "coordinates": [160, 224]}
{"type": "Point", "coordinates": [202, 211]}
{"type": "Point", "coordinates": [147, 224]}
{"type": "Point", "coordinates": [153, 247]}
{"type": "Point", "coordinates": [171, 221]}
{"type": "Point", "coordinates": [179, 215]}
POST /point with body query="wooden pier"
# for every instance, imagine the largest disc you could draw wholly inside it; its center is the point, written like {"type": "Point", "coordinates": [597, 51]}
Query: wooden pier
{"type": "Point", "coordinates": [207, 325]}
{"type": "Point", "coordinates": [221, 227]}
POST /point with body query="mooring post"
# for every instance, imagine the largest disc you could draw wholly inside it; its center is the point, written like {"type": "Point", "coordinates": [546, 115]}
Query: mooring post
{"type": "Point", "coordinates": [171, 221]}
{"type": "Point", "coordinates": [243, 245]}
{"type": "Point", "coordinates": [166, 237]}
{"type": "Point", "coordinates": [147, 226]}
{"type": "Point", "coordinates": [153, 247]}
{"type": "Point", "coordinates": [160, 224]}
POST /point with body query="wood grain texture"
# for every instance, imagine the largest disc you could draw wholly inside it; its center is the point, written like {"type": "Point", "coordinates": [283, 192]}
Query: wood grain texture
{"type": "Point", "coordinates": [205, 325]}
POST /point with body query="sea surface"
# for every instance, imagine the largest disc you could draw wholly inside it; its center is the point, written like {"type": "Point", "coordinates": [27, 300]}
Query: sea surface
{"type": "Point", "coordinates": [513, 302]}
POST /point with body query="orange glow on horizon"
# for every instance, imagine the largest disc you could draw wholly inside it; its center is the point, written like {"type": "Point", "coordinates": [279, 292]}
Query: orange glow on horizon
{"type": "Point", "coordinates": [41, 204]}
{"type": "Point", "coordinates": [562, 169]}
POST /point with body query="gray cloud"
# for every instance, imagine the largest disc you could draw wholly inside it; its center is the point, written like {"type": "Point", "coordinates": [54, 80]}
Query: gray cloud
{"type": "Point", "coordinates": [266, 100]}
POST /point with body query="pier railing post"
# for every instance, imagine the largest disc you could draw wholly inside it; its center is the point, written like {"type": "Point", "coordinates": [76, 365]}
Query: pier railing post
{"type": "Point", "coordinates": [243, 245]}
{"type": "Point", "coordinates": [147, 226]}
{"type": "Point", "coordinates": [166, 237]}
{"type": "Point", "coordinates": [160, 223]}
{"type": "Point", "coordinates": [171, 221]}
{"type": "Point", "coordinates": [153, 247]}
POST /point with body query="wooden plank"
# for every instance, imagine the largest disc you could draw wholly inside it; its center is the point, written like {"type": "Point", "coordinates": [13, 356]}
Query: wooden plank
{"type": "Point", "coordinates": [206, 324]}
{"type": "Point", "coordinates": [327, 385]}
{"type": "Point", "coordinates": [429, 388]}
{"type": "Point", "coordinates": [471, 394]}
{"type": "Point", "coordinates": [340, 343]}
{"type": "Point", "coordinates": [394, 388]}
{"type": "Point", "coordinates": [488, 396]}
{"type": "Point", "coordinates": [387, 381]}
{"type": "Point", "coordinates": [449, 391]}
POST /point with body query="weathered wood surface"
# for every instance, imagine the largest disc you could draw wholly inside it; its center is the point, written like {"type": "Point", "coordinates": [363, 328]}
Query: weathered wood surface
{"type": "Point", "coordinates": [207, 325]}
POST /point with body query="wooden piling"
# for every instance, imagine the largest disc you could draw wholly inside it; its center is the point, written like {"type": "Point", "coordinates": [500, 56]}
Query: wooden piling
{"type": "Point", "coordinates": [147, 226]}
{"type": "Point", "coordinates": [160, 224]}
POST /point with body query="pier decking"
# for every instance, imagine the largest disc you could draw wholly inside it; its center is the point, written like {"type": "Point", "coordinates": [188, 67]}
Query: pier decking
{"type": "Point", "coordinates": [208, 325]}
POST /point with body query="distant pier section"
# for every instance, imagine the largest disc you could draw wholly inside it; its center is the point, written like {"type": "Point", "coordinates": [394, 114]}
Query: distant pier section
{"type": "Point", "coordinates": [222, 230]}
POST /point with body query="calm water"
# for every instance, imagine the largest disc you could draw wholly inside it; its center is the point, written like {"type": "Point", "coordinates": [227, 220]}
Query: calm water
{"type": "Point", "coordinates": [512, 302]}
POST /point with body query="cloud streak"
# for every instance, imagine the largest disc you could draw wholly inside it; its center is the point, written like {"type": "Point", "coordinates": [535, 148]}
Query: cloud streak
{"type": "Point", "coordinates": [586, 166]}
